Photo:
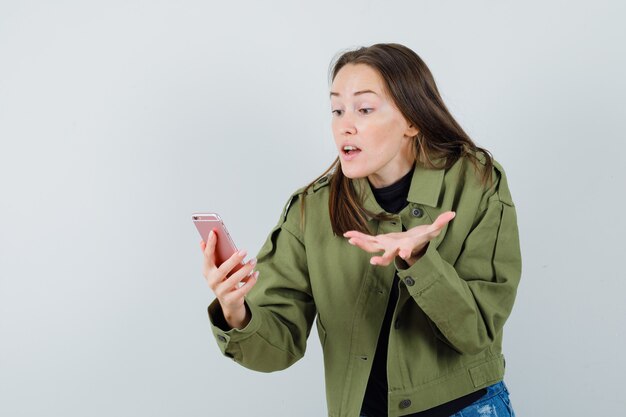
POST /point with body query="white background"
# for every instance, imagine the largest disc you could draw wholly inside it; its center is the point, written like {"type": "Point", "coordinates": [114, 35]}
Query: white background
{"type": "Point", "coordinates": [119, 119]}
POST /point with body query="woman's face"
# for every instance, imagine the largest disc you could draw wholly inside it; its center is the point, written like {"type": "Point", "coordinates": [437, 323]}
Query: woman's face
{"type": "Point", "coordinates": [373, 138]}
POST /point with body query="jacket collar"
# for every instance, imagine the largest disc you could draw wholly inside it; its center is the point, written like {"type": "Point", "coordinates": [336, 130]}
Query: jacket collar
{"type": "Point", "coordinates": [426, 185]}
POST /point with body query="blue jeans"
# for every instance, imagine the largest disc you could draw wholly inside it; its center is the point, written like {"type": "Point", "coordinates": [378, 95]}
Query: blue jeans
{"type": "Point", "coordinates": [495, 403]}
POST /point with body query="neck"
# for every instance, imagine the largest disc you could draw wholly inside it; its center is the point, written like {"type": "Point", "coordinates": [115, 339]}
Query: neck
{"type": "Point", "coordinates": [380, 180]}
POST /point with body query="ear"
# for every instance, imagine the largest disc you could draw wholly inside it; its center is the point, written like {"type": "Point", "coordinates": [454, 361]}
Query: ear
{"type": "Point", "coordinates": [411, 131]}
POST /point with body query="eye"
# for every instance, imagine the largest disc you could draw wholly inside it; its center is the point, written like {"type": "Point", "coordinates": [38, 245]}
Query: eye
{"type": "Point", "coordinates": [366, 110]}
{"type": "Point", "coordinates": [337, 112]}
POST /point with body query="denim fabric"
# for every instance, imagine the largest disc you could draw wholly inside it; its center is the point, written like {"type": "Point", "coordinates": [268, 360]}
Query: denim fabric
{"type": "Point", "coordinates": [495, 403]}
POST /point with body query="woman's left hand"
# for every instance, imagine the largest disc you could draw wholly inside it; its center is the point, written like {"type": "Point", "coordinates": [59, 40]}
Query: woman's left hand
{"type": "Point", "coordinates": [409, 245]}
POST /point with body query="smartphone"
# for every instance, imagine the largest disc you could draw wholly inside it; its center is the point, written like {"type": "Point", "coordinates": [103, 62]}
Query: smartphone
{"type": "Point", "coordinates": [205, 222]}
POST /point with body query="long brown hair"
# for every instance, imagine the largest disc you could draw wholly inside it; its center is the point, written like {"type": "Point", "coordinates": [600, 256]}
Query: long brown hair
{"type": "Point", "coordinates": [412, 87]}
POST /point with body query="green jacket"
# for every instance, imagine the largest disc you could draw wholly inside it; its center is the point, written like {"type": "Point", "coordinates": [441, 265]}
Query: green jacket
{"type": "Point", "coordinates": [446, 337]}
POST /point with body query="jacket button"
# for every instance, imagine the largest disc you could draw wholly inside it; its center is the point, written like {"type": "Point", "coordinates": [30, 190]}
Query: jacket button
{"type": "Point", "coordinates": [409, 281]}
{"type": "Point", "coordinates": [405, 404]}
{"type": "Point", "coordinates": [417, 212]}
{"type": "Point", "coordinates": [221, 338]}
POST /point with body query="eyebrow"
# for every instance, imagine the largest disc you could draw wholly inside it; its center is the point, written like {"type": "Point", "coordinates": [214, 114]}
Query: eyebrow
{"type": "Point", "coordinates": [332, 93]}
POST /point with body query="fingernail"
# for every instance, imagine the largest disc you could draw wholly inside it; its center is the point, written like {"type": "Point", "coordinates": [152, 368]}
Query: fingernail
{"type": "Point", "coordinates": [211, 234]}
{"type": "Point", "coordinates": [253, 261]}
{"type": "Point", "coordinates": [243, 253]}
{"type": "Point", "coordinates": [256, 274]}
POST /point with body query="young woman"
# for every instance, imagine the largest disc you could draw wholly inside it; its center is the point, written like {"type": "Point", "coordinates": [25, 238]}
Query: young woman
{"type": "Point", "coordinates": [406, 249]}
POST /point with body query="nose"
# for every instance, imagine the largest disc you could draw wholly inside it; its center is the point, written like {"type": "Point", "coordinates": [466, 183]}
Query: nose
{"type": "Point", "coordinates": [346, 125]}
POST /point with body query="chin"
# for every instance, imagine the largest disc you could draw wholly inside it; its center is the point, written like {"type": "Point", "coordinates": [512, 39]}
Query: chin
{"type": "Point", "coordinates": [353, 172]}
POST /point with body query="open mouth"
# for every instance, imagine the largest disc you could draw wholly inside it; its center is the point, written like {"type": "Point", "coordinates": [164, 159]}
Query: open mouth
{"type": "Point", "coordinates": [350, 150]}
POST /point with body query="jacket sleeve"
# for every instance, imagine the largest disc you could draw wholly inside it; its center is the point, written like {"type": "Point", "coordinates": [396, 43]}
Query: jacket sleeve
{"type": "Point", "coordinates": [281, 303]}
{"type": "Point", "coordinates": [470, 298]}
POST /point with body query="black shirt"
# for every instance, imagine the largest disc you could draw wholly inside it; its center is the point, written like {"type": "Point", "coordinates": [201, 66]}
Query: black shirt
{"type": "Point", "coordinates": [393, 199]}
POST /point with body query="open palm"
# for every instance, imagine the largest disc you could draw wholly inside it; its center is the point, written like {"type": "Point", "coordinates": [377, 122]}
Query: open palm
{"type": "Point", "coordinates": [408, 245]}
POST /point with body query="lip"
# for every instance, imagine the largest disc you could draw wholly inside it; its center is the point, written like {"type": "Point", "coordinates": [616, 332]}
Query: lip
{"type": "Point", "coordinates": [349, 157]}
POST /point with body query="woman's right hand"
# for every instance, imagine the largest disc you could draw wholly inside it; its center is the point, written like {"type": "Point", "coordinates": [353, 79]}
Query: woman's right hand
{"type": "Point", "coordinates": [226, 286]}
